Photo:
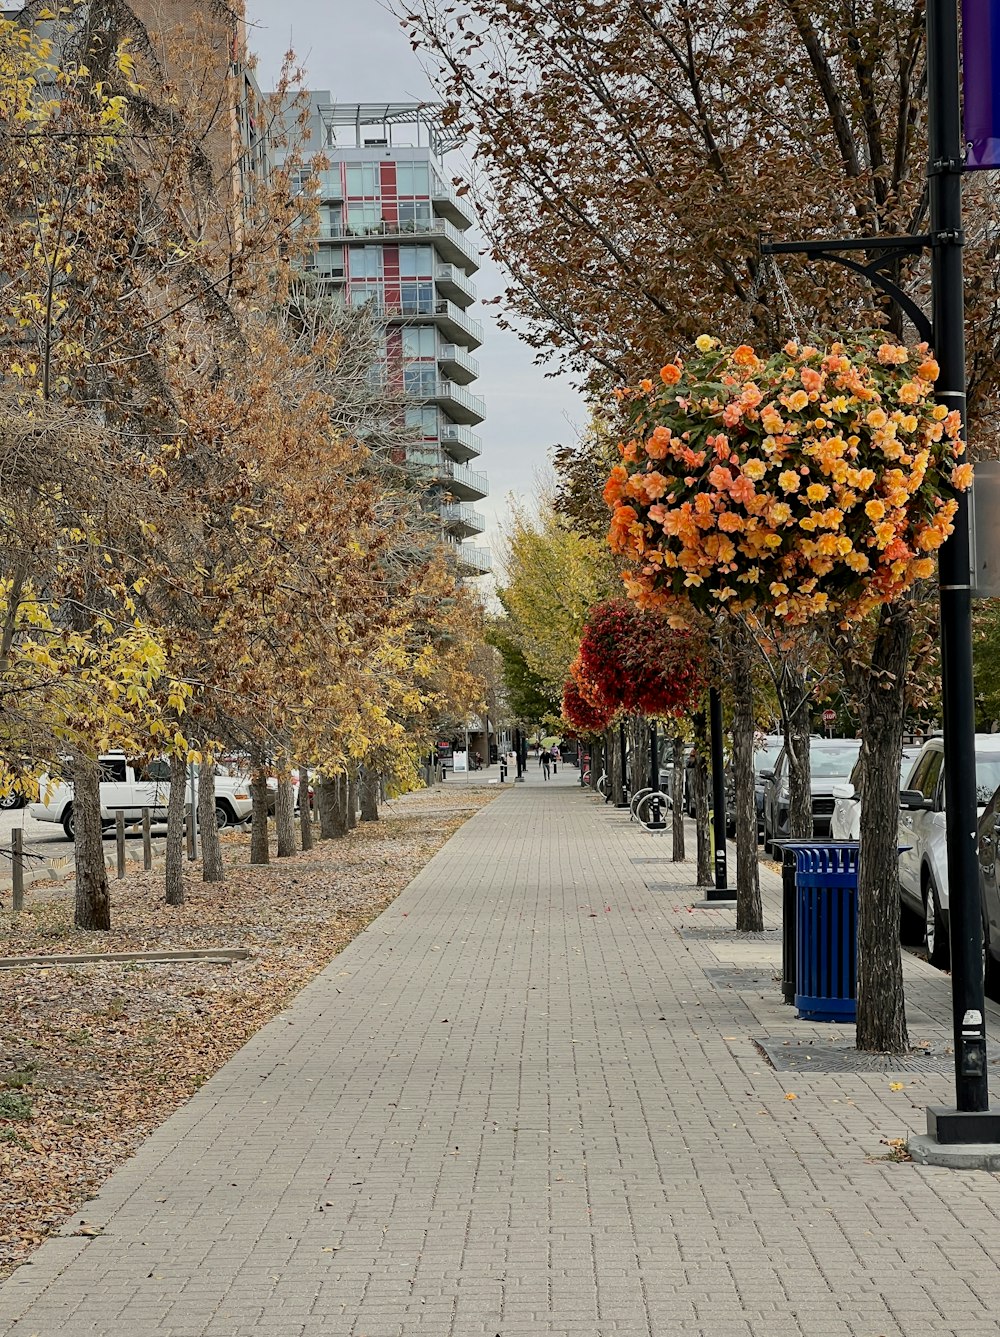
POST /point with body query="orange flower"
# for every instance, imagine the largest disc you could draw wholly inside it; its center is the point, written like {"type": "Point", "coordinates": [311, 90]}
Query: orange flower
{"type": "Point", "coordinates": [646, 385]}
{"type": "Point", "coordinates": [656, 485]}
{"type": "Point", "coordinates": [811, 379]}
{"type": "Point", "coordinates": [744, 356]}
{"type": "Point", "coordinates": [670, 374]}
{"type": "Point", "coordinates": [742, 490]}
{"type": "Point", "coordinates": [658, 445]}
{"type": "Point", "coordinates": [875, 509]}
{"type": "Point", "coordinates": [788, 481]}
{"type": "Point", "coordinates": [798, 400]}
{"type": "Point", "coordinates": [961, 477]}
{"type": "Point", "coordinates": [929, 370]}
{"type": "Point", "coordinates": [614, 488]}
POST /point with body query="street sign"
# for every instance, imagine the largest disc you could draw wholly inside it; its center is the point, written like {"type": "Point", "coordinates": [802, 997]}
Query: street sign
{"type": "Point", "coordinates": [829, 716]}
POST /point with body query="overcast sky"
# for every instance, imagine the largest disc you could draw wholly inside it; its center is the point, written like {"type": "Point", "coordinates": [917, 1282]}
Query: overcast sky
{"type": "Point", "coordinates": [357, 50]}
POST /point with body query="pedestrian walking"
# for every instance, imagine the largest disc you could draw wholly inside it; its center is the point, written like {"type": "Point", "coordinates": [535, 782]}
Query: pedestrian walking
{"type": "Point", "coordinates": [556, 758]}
{"type": "Point", "coordinates": [545, 761]}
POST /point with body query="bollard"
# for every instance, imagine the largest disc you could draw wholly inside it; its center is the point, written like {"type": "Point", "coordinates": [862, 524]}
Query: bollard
{"type": "Point", "coordinates": [120, 841]}
{"type": "Point", "coordinates": [147, 843]}
{"type": "Point", "coordinates": [17, 869]}
{"type": "Point", "coordinates": [189, 831]}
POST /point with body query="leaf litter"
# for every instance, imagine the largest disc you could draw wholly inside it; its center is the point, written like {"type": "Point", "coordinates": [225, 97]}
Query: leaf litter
{"type": "Point", "coordinates": [94, 1057]}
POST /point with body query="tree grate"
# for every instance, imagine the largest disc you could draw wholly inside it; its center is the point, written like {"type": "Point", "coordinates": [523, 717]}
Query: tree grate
{"type": "Point", "coordinates": [841, 1056]}
{"type": "Point", "coordinates": [731, 935]}
{"type": "Point", "coordinates": [742, 977]}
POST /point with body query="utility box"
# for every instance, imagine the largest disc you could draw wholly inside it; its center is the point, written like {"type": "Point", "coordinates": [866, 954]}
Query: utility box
{"type": "Point", "coordinates": [984, 526]}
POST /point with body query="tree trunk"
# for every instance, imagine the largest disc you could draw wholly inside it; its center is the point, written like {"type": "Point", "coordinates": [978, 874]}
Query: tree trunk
{"type": "Point", "coordinates": [351, 791]}
{"type": "Point", "coordinates": [749, 912]}
{"type": "Point", "coordinates": [677, 799]}
{"type": "Point", "coordinates": [175, 830]}
{"type": "Point", "coordinates": [795, 700]}
{"type": "Point", "coordinates": [881, 1015]}
{"type": "Point", "coordinates": [705, 876]}
{"type": "Point", "coordinates": [596, 762]}
{"type": "Point", "coordinates": [211, 847]}
{"type": "Point", "coordinates": [92, 909]}
{"type": "Point", "coordinates": [618, 765]}
{"type": "Point", "coordinates": [284, 811]}
{"type": "Point", "coordinates": [369, 794]}
{"type": "Point", "coordinates": [639, 774]}
{"type": "Point", "coordinates": [305, 809]}
{"type": "Point", "coordinates": [259, 851]}
{"type": "Point", "coordinates": [338, 811]}
{"type": "Point", "coordinates": [326, 806]}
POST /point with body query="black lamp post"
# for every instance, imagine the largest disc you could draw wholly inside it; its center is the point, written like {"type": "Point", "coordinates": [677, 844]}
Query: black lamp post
{"type": "Point", "coordinates": [721, 890]}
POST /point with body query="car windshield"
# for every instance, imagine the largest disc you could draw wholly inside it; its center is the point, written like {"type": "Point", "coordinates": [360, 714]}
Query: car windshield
{"type": "Point", "coordinates": [765, 757]}
{"type": "Point", "coordinates": [835, 760]}
{"type": "Point", "coordinates": [987, 778]}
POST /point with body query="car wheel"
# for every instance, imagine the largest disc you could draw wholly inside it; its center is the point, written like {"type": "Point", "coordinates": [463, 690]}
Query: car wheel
{"type": "Point", "coordinates": [935, 933]}
{"type": "Point", "coordinates": [911, 927]}
{"type": "Point", "coordinates": [11, 800]}
{"type": "Point", "coordinates": [768, 843]}
{"type": "Point", "coordinates": [223, 816]}
{"type": "Point", "coordinates": [67, 823]}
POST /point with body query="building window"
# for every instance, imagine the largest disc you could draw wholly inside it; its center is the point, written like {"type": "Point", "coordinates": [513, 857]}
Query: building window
{"type": "Point", "coordinates": [366, 292]}
{"type": "Point", "coordinates": [328, 262]}
{"type": "Point", "coordinates": [420, 341]}
{"type": "Point", "coordinates": [331, 218]}
{"type": "Point", "coordinates": [414, 215]}
{"type": "Point", "coordinates": [423, 421]}
{"type": "Point", "coordinates": [416, 299]}
{"type": "Point", "coordinates": [420, 378]}
{"type": "Point", "coordinates": [363, 218]}
{"type": "Point", "coordinates": [366, 262]}
{"type": "Point", "coordinates": [416, 262]}
{"type": "Point", "coordinates": [412, 178]}
{"type": "Point", "coordinates": [363, 180]}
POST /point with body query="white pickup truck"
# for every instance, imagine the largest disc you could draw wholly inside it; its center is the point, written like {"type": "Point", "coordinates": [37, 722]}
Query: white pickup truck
{"type": "Point", "coordinates": [130, 786]}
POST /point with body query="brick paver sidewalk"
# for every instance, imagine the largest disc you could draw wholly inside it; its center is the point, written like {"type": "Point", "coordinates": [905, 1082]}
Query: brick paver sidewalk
{"type": "Point", "coordinates": [527, 1100]}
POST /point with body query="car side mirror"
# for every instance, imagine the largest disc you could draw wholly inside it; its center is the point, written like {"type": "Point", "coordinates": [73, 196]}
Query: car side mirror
{"type": "Point", "coordinates": [913, 799]}
{"type": "Point", "coordinates": [767, 775]}
{"type": "Point", "coordinates": [843, 791]}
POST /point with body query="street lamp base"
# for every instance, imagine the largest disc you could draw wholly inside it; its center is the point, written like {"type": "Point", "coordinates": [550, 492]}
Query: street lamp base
{"type": "Point", "coordinates": [954, 1127]}
{"type": "Point", "coordinates": [927, 1150]}
{"type": "Point", "coordinates": [726, 902]}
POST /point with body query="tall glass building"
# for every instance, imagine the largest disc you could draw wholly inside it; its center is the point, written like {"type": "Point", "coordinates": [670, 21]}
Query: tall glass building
{"type": "Point", "coordinates": [394, 233]}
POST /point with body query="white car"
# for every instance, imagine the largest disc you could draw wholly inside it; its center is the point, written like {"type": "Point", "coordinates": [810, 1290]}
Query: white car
{"type": "Point", "coordinates": [130, 786]}
{"type": "Point", "coordinates": [846, 823]}
{"type": "Point", "coordinates": [923, 868]}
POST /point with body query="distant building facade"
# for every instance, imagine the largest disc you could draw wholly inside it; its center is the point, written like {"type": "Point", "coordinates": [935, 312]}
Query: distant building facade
{"type": "Point", "coordinates": [393, 233]}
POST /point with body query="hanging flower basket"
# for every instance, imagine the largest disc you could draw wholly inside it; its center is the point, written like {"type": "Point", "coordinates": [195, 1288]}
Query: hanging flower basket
{"type": "Point", "coordinates": [581, 714]}
{"type": "Point", "coordinates": [633, 661]}
{"type": "Point", "coordinates": [810, 481]}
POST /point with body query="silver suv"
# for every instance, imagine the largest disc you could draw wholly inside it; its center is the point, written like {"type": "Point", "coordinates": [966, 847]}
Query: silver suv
{"type": "Point", "coordinates": [923, 868]}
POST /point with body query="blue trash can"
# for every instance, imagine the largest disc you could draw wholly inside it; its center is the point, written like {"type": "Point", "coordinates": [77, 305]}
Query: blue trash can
{"type": "Point", "coordinates": [826, 961]}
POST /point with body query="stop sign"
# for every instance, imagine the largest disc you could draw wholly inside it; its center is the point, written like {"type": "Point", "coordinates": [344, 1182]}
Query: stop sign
{"type": "Point", "coordinates": [829, 716]}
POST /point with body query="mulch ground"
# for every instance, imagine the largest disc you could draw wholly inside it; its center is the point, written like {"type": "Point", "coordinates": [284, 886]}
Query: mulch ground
{"type": "Point", "coordinates": [93, 1057]}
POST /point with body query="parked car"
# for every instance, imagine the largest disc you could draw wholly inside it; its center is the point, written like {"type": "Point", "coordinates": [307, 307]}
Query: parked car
{"type": "Point", "coordinates": [765, 754]}
{"type": "Point", "coordinates": [831, 761]}
{"type": "Point", "coordinates": [987, 845]}
{"type": "Point", "coordinates": [923, 868]}
{"type": "Point", "coordinates": [846, 823]}
{"type": "Point", "coordinates": [130, 786]}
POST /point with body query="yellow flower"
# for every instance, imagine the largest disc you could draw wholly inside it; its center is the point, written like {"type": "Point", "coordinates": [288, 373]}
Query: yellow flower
{"type": "Point", "coordinates": [780, 513]}
{"type": "Point", "coordinates": [755, 470]}
{"type": "Point", "coordinates": [704, 343]}
{"type": "Point", "coordinates": [788, 480]}
{"type": "Point", "coordinates": [875, 509]}
{"type": "Point", "coordinates": [798, 400]}
{"type": "Point", "coordinates": [884, 534]}
{"type": "Point", "coordinates": [817, 492]}
{"type": "Point", "coordinates": [876, 418]}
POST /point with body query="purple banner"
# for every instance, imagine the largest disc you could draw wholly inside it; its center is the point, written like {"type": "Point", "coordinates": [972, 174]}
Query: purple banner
{"type": "Point", "coordinates": [981, 82]}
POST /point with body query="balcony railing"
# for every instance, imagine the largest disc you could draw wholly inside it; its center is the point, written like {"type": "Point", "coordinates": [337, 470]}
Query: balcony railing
{"type": "Point", "coordinates": [460, 440]}
{"type": "Point", "coordinates": [448, 201]}
{"type": "Point", "coordinates": [466, 484]}
{"type": "Point", "coordinates": [455, 357]}
{"type": "Point", "coordinates": [460, 402]}
{"type": "Point", "coordinates": [464, 516]}
{"type": "Point", "coordinates": [432, 227]}
{"type": "Point", "coordinates": [454, 282]}
{"type": "Point", "coordinates": [477, 560]}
